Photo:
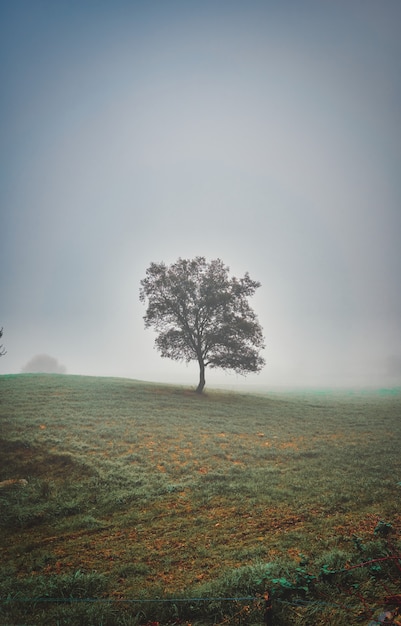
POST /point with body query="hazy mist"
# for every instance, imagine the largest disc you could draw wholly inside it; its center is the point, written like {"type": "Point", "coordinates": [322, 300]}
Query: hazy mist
{"type": "Point", "coordinates": [267, 134]}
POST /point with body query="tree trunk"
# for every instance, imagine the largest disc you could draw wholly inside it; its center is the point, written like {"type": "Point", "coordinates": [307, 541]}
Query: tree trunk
{"type": "Point", "coordinates": [202, 381]}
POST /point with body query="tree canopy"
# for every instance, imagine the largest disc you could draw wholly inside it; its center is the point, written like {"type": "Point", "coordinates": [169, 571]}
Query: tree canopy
{"type": "Point", "coordinates": [202, 314]}
{"type": "Point", "coordinates": [3, 351]}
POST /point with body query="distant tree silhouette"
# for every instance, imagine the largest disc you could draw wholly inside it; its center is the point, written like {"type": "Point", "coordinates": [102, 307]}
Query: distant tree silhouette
{"type": "Point", "coordinates": [203, 315]}
{"type": "Point", "coordinates": [43, 364]}
{"type": "Point", "coordinates": [3, 351]}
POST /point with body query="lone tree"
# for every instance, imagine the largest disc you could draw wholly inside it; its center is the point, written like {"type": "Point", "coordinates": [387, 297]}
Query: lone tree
{"type": "Point", "coordinates": [203, 315]}
{"type": "Point", "coordinates": [2, 350]}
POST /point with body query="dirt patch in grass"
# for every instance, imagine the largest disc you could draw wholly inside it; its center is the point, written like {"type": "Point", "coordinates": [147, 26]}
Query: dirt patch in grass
{"type": "Point", "coordinates": [33, 461]}
{"type": "Point", "coordinates": [175, 544]}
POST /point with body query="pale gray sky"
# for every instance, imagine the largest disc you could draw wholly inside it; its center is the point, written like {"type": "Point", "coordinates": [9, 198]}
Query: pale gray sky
{"type": "Point", "coordinates": [264, 133]}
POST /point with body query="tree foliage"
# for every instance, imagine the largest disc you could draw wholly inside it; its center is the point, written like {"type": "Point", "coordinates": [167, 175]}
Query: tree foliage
{"type": "Point", "coordinates": [3, 351]}
{"type": "Point", "coordinates": [45, 364]}
{"type": "Point", "coordinates": [202, 314]}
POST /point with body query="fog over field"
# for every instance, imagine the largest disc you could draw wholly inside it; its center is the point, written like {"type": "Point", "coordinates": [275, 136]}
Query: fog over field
{"type": "Point", "coordinates": [267, 134]}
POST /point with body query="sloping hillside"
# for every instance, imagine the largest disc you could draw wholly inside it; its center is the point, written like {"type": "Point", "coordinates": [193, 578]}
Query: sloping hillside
{"type": "Point", "coordinates": [136, 490]}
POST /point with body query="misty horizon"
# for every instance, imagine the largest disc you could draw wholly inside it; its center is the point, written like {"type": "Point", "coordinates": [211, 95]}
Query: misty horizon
{"type": "Point", "coordinates": [266, 135]}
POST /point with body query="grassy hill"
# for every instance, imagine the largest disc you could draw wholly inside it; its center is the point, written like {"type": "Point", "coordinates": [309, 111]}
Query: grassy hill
{"type": "Point", "coordinates": [138, 493]}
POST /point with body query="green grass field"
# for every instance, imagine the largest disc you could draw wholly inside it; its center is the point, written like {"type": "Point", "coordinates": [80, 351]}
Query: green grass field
{"type": "Point", "coordinates": [149, 503]}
